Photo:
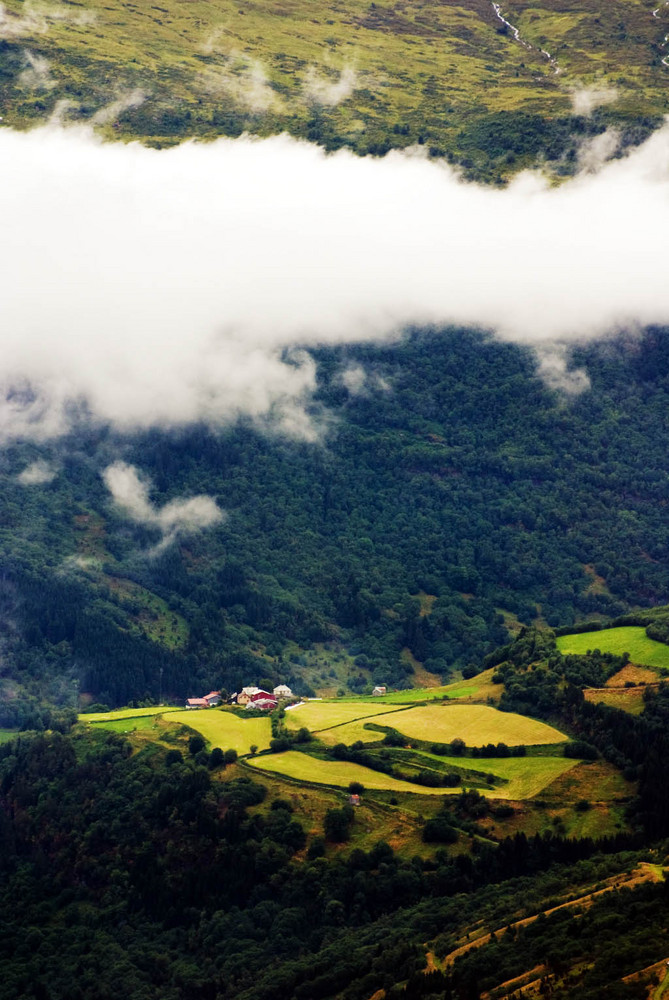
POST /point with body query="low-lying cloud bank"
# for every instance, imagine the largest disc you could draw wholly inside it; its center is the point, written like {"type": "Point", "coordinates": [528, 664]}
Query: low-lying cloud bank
{"type": "Point", "coordinates": [167, 287]}
{"type": "Point", "coordinates": [177, 518]}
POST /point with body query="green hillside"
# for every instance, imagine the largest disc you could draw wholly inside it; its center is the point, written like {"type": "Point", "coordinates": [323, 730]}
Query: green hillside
{"type": "Point", "coordinates": [370, 76]}
{"type": "Point", "coordinates": [630, 639]}
{"type": "Point", "coordinates": [459, 484]}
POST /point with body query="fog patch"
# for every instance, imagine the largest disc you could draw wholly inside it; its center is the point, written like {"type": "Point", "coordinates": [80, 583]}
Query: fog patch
{"type": "Point", "coordinates": [162, 288]}
{"type": "Point", "coordinates": [323, 90]}
{"type": "Point", "coordinates": [36, 75]}
{"type": "Point", "coordinates": [594, 152]}
{"type": "Point", "coordinates": [110, 112]}
{"type": "Point", "coordinates": [130, 493]}
{"type": "Point", "coordinates": [37, 474]}
{"type": "Point", "coordinates": [244, 80]}
{"type": "Point", "coordinates": [36, 19]}
{"type": "Point", "coordinates": [554, 368]}
{"type": "Point", "coordinates": [587, 99]}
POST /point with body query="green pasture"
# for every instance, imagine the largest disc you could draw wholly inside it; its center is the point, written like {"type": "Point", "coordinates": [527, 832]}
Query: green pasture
{"type": "Point", "coordinates": [302, 767]}
{"type": "Point", "coordinates": [7, 734]}
{"type": "Point", "coordinates": [475, 724]}
{"type": "Point", "coordinates": [125, 713]}
{"type": "Point", "coordinates": [527, 776]}
{"type": "Point", "coordinates": [129, 724]}
{"type": "Point", "coordinates": [630, 639]}
{"type": "Point", "coordinates": [225, 729]}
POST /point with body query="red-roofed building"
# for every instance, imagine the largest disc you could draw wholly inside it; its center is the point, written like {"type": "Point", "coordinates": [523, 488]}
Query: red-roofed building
{"type": "Point", "coordinates": [213, 698]}
{"type": "Point", "coordinates": [197, 703]}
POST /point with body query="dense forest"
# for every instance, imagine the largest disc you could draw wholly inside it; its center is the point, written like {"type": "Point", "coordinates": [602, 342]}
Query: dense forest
{"type": "Point", "coordinates": [452, 494]}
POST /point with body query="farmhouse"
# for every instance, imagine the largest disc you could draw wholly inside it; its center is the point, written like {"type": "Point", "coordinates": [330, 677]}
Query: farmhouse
{"type": "Point", "coordinates": [209, 700]}
{"type": "Point", "coordinates": [196, 703]}
{"type": "Point", "coordinates": [282, 691]}
{"type": "Point", "coordinates": [246, 694]}
{"type": "Point", "coordinates": [379, 689]}
{"type": "Point", "coordinates": [265, 702]}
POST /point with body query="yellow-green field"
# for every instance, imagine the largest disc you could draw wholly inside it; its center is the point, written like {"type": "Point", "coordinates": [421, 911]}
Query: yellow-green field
{"type": "Point", "coordinates": [475, 724]}
{"type": "Point", "coordinates": [7, 734]}
{"type": "Point", "coordinates": [627, 699]}
{"type": "Point", "coordinates": [630, 639]}
{"type": "Point", "coordinates": [527, 776]}
{"type": "Point", "coordinates": [334, 772]}
{"type": "Point", "coordinates": [317, 715]}
{"type": "Point", "coordinates": [368, 77]}
{"type": "Point", "coordinates": [226, 730]}
{"type": "Point", "coordinates": [124, 713]}
{"type": "Point", "coordinates": [134, 724]}
{"type": "Point", "coordinates": [476, 688]}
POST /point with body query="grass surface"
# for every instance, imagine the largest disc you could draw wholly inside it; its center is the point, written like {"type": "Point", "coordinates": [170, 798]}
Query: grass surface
{"type": "Point", "coordinates": [129, 725]}
{"type": "Point", "coordinates": [124, 713]}
{"type": "Point", "coordinates": [341, 773]}
{"type": "Point", "coordinates": [475, 724]}
{"type": "Point", "coordinates": [7, 734]}
{"type": "Point", "coordinates": [630, 639]}
{"type": "Point", "coordinates": [226, 730]}
{"type": "Point", "coordinates": [627, 699]}
{"type": "Point", "coordinates": [527, 776]}
{"type": "Point", "coordinates": [317, 715]}
{"type": "Point", "coordinates": [367, 77]}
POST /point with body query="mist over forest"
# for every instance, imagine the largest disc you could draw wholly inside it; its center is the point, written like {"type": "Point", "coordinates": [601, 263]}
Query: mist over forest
{"type": "Point", "coordinates": [334, 551]}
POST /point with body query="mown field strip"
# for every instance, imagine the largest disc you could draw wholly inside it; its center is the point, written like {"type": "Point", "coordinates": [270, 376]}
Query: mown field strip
{"type": "Point", "coordinates": [226, 730]}
{"type": "Point", "coordinates": [340, 773]}
{"type": "Point", "coordinates": [125, 713]}
{"type": "Point", "coordinates": [475, 724]}
{"type": "Point", "coordinates": [631, 639]}
{"type": "Point", "coordinates": [527, 776]}
{"type": "Point", "coordinates": [128, 725]}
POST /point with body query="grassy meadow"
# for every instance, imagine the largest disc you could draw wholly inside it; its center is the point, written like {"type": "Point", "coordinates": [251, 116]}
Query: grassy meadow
{"type": "Point", "coordinates": [475, 689]}
{"type": "Point", "coordinates": [368, 77]}
{"type": "Point", "coordinates": [124, 713]}
{"type": "Point", "coordinates": [319, 715]}
{"type": "Point", "coordinates": [526, 776]}
{"type": "Point", "coordinates": [475, 724]}
{"type": "Point", "coordinates": [226, 730]}
{"type": "Point", "coordinates": [630, 639]}
{"type": "Point", "coordinates": [302, 767]}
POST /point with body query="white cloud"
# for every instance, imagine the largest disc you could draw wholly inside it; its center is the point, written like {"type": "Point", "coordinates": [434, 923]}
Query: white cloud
{"type": "Point", "coordinates": [35, 19]}
{"type": "Point", "coordinates": [165, 287]}
{"type": "Point", "coordinates": [244, 80]}
{"type": "Point", "coordinates": [178, 517]}
{"type": "Point", "coordinates": [36, 75]}
{"type": "Point", "coordinates": [37, 474]}
{"type": "Point", "coordinates": [324, 90]}
{"type": "Point", "coordinates": [586, 99]}
{"type": "Point", "coordinates": [596, 151]}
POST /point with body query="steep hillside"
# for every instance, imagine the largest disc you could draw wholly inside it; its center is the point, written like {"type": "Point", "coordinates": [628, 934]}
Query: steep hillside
{"type": "Point", "coordinates": [451, 497]}
{"type": "Point", "coordinates": [492, 87]}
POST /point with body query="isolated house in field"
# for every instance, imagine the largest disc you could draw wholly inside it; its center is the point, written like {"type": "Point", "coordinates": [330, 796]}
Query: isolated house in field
{"type": "Point", "coordinates": [213, 698]}
{"type": "Point", "coordinates": [282, 691]}
{"type": "Point", "coordinates": [196, 703]}
{"type": "Point", "coordinates": [379, 689]}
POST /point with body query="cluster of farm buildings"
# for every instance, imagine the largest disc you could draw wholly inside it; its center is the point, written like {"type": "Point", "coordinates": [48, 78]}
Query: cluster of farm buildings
{"type": "Point", "coordinates": [248, 697]}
